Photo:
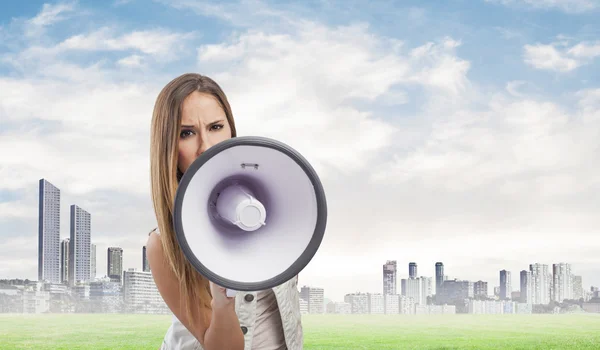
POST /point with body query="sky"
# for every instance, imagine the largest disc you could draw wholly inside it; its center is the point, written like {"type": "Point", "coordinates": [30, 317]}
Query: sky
{"type": "Point", "coordinates": [466, 132]}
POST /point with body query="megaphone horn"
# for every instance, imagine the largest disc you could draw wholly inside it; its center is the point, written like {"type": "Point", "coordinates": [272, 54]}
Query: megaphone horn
{"type": "Point", "coordinates": [250, 213]}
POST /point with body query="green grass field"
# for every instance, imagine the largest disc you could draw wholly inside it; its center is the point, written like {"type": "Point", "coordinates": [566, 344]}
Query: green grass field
{"type": "Point", "coordinates": [348, 332]}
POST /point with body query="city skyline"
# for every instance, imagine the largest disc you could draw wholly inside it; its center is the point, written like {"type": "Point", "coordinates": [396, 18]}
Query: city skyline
{"type": "Point", "coordinates": [557, 278]}
{"type": "Point", "coordinates": [464, 133]}
{"type": "Point", "coordinates": [392, 279]}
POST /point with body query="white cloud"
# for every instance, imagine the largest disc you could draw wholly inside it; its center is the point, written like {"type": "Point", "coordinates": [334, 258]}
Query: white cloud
{"type": "Point", "coordinates": [131, 61]}
{"type": "Point", "coordinates": [315, 76]}
{"type": "Point", "coordinates": [102, 136]}
{"type": "Point", "coordinates": [551, 57]}
{"type": "Point", "coordinates": [161, 44]}
{"type": "Point", "coordinates": [236, 13]}
{"type": "Point", "coordinates": [511, 141]}
{"type": "Point", "coordinates": [49, 15]}
{"type": "Point", "coordinates": [568, 6]}
{"type": "Point", "coordinates": [585, 50]}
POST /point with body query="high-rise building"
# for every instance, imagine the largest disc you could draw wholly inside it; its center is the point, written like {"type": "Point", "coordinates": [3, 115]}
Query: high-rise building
{"type": "Point", "coordinates": [505, 285]}
{"type": "Point", "coordinates": [64, 261]}
{"type": "Point", "coordinates": [145, 265]}
{"type": "Point", "coordinates": [389, 277]}
{"type": "Point", "coordinates": [562, 283]}
{"type": "Point", "coordinates": [412, 270]}
{"type": "Point", "coordinates": [48, 232]}
{"type": "Point", "coordinates": [526, 287]}
{"type": "Point", "coordinates": [541, 283]}
{"type": "Point", "coordinates": [93, 262]}
{"type": "Point", "coordinates": [439, 276]}
{"type": "Point", "coordinates": [577, 288]}
{"type": "Point", "coordinates": [426, 288]}
{"type": "Point", "coordinates": [418, 289]}
{"type": "Point", "coordinates": [114, 263]}
{"type": "Point", "coordinates": [80, 245]}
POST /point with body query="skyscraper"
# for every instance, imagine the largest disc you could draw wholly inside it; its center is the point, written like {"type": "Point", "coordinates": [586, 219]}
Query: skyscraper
{"type": "Point", "coordinates": [145, 265]}
{"type": "Point", "coordinates": [48, 232]}
{"type": "Point", "coordinates": [541, 279]}
{"type": "Point", "coordinates": [64, 261]}
{"type": "Point", "coordinates": [526, 287]}
{"type": "Point", "coordinates": [577, 288]}
{"type": "Point", "coordinates": [79, 246]}
{"type": "Point", "coordinates": [505, 285]}
{"type": "Point", "coordinates": [439, 276]}
{"type": "Point", "coordinates": [389, 277]}
{"type": "Point", "coordinates": [412, 270]}
{"type": "Point", "coordinates": [114, 263]}
{"type": "Point", "coordinates": [562, 284]}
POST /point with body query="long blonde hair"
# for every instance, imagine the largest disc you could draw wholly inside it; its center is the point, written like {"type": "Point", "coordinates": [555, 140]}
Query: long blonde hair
{"type": "Point", "coordinates": [165, 176]}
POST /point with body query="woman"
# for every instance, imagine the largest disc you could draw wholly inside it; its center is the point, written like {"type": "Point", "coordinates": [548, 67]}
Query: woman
{"type": "Point", "coordinates": [192, 114]}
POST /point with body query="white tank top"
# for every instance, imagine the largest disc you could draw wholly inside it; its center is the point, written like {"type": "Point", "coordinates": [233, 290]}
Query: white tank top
{"type": "Point", "coordinates": [270, 320]}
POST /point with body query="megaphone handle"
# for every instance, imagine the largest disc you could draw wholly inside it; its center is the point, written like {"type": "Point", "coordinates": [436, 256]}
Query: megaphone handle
{"type": "Point", "coordinates": [231, 293]}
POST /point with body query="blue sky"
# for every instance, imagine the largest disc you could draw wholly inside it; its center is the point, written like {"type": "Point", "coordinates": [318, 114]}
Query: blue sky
{"type": "Point", "coordinates": [472, 123]}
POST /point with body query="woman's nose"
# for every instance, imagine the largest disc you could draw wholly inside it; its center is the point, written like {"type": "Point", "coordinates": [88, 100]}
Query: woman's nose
{"type": "Point", "coordinates": [204, 145]}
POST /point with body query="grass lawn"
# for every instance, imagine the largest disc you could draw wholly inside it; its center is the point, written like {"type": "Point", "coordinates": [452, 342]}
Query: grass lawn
{"type": "Point", "coordinates": [348, 332]}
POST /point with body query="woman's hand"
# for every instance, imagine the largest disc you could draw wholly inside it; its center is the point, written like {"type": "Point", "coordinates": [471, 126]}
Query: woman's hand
{"type": "Point", "coordinates": [220, 299]}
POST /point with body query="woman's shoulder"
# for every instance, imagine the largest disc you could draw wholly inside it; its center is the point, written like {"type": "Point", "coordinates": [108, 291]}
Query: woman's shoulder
{"type": "Point", "coordinates": [153, 246]}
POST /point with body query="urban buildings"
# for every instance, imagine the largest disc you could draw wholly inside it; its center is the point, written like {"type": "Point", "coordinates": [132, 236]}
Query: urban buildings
{"type": "Point", "coordinates": [79, 246]}
{"type": "Point", "coordinates": [48, 232]}
{"type": "Point", "coordinates": [389, 277]}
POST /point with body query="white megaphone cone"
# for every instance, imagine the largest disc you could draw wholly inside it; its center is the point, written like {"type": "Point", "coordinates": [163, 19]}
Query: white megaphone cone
{"type": "Point", "coordinates": [250, 213]}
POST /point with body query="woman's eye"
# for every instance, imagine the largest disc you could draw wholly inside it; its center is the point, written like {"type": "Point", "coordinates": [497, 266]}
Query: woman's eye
{"type": "Point", "coordinates": [185, 133]}
{"type": "Point", "coordinates": [217, 126]}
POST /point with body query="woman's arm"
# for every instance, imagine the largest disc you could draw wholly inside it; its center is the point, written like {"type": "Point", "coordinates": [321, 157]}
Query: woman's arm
{"type": "Point", "coordinates": [222, 331]}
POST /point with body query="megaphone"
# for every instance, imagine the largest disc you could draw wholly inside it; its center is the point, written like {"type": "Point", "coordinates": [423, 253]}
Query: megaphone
{"type": "Point", "coordinates": [250, 213]}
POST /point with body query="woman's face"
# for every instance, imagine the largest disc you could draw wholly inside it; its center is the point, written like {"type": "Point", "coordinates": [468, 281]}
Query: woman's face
{"type": "Point", "coordinates": [203, 125]}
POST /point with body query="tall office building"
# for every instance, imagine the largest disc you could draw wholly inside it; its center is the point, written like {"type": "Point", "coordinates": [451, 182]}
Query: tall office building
{"type": "Point", "coordinates": [439, 276]}
{"type": "Point", "coordinates": [577, 288]}
{"type": "Point", "coordinates": [526, 287]}
{"type": "Point", "coordinates": [418, 289]}
{"type": "Point", "coordinates": [541, 283]}
{"type": "Point", "coordinates": [48, 232]}
{"type": "Point", "coordinates": [426, 288]}
{"type": "Point", "coordinates": [562, 286]}
{"type": "Point", "coordinates": [93, 262]}
{"type": "Point", "coordinates": [114, 263]}
{"type": "Point", "coordinates": [145, 265]}
{"type": "Point", "coordinates": [64, 261]}
{"type": "Point", "coordinates": [79, 246]}
{"type": "Point", "coordinates": [389, 277]}
{"type": "Point", "coordinates": [505, 285]}
{"type": "Point", "coordinates": [412, 270]}
{"type": "Point", "coordinates": [411, 288]}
